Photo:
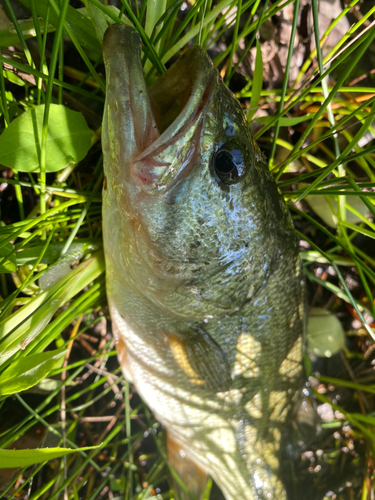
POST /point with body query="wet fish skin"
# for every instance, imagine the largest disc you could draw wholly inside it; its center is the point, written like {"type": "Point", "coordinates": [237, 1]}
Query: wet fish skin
{"type": "Point", "coordinates": [204, 280]}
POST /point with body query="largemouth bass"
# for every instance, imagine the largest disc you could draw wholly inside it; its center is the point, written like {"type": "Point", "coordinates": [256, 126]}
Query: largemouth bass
{"type": "Point", "coordinates": [204, 280]}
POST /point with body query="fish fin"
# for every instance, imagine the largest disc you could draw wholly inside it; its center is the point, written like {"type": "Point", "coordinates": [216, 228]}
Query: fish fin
{"type": "Point", "coordinates": [123, 358]}
{"type": "Point", "coordinates": [121, 348]}
{"type": "Point", "coordinates": [201, 359]}
{"type": "Point", "coordinates": [191, 474]}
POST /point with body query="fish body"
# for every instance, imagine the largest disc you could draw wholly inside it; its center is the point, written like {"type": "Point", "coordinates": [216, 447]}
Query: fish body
{"type": "Point", "coordinates": [204, 280]}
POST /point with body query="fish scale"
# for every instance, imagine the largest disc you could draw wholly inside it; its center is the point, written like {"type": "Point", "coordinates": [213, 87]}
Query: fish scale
{"type": "Point", "coordinates": [204, 279]}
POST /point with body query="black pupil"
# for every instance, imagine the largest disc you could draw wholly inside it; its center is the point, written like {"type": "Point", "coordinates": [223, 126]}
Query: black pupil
{"type": "Point", "coordinates": [224, 162]}
{"type": "Point", "coordinates": [225, 165]}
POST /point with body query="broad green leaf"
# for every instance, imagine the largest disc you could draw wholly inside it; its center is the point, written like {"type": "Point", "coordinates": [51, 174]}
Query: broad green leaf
{"type": "Point", "coordinates": [7, 264]}
{"type": "Point", "coordinates": [326, 208]}
{"type": "Point", "coordinates": [27, 371]}
{"type": "Point", "coordinates": [10, 459]}
{"type": "Point", "coordinates": [13, 78]}
{"type": "Point", "coordinates": [325, 333]}
{"type": "Point", "coordinates": [257, 83]}
{"type": "Point", "coordinates": [68, 141]}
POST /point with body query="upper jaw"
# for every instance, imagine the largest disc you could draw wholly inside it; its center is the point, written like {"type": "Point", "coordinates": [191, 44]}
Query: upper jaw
{"type": "Point", "coordinates": [141, 120]}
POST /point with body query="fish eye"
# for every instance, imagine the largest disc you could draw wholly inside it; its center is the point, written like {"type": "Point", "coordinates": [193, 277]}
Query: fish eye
{"type": "Point", "coordinates": [229, 164]}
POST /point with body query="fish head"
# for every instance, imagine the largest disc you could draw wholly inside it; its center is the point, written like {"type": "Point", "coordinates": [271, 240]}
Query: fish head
{"type": "Point", "coordinates": [195, 193]}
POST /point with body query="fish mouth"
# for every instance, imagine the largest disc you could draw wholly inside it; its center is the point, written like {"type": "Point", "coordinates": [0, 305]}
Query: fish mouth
{"type": "Point", "coordinates": [178, 96]}
{"type": "Point", "coordinates": [145, 121]}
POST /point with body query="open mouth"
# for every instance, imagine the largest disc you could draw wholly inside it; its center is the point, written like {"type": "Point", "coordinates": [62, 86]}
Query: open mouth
{"type": "Point", "coordinates": [147, 118]}
{"type": "Point", "coordinates": [179, 95]}
{"type": "Point", "coordinates": [169, 96]}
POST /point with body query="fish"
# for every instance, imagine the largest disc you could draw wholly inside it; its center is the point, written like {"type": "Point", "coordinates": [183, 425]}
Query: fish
{"type": "Point", "coordinates": [204, 280]}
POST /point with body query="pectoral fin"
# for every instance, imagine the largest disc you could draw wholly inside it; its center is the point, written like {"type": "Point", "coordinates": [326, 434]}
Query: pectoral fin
{"type": "Point", "coordinates": [201, 359]}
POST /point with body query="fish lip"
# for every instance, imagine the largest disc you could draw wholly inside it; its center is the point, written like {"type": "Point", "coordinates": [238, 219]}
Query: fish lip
{"type": "Point", "coordinates": [138, 132]}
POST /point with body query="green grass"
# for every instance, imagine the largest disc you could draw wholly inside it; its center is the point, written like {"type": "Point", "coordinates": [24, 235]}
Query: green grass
{"type": "Point", "coordinates": [79, 398]}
